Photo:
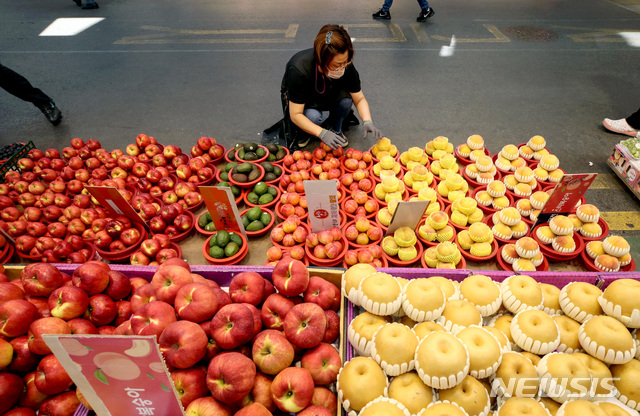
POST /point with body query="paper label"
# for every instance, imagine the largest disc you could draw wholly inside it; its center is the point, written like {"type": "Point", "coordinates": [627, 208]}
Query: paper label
{"type": "Point", "coordinates": [110, 199]}
{"type": "Point", "coordinates": [118, 375]}
{"type": "Point", "coordinates": [407, 214]}
{"type": "Point", "coordinates": [565, 195]}
{"type": "Point", "coordinates": [222, 206]}
{"type": "Point", "coordinates": [322, 202]}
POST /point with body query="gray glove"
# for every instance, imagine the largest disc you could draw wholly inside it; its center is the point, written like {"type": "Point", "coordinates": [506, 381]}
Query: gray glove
{"type": "Point", "coordinates": [370, 128]}
{"type": "Point", "coordinates": [331, 139]}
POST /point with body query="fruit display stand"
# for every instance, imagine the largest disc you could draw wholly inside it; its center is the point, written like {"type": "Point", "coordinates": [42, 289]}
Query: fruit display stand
{"type": "Point", "coordinates": [627, 167]}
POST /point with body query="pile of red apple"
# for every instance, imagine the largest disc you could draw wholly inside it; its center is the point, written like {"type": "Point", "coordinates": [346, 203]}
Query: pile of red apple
{"type": "Point", "coordinates": [298, 161]}
{"type": "Point", "coordinates": [227, 352]}
{"type": "Point", "coordinates": [370, 255]}
{"type": "Point", "coordinates": [208, 148]}
{"type": "Point", "coordinates": [324, 152]}
{"type": "Point", "coordinates": [360, 203]}
{"type": "Point", "coordinates": [294, 182]}
{"type": "Point", "coordinates": [156, 250]}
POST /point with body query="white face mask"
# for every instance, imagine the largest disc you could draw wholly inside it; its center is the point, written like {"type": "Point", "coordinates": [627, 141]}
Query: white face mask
{"type": "Point", "coordinates": [336, 74]}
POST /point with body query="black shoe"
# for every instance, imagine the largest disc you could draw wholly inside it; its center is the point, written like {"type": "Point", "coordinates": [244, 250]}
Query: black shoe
{"type": "Point", "coordinates": [381, 14]}
{"type": "Point", "coordinates": [425, 14]}
{"type": "Point", "coordinates": [90, 6]}
{"type": "Point", "coordinates": [304, 140]}
{"type": "Point", "coordinates": [51, 112]}
{"type": "Point", "coordinates": [77, 2]}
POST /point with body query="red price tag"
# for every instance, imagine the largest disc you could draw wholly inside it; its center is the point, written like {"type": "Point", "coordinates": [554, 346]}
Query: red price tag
{"type": "Point", "coordinates": [321, 214]}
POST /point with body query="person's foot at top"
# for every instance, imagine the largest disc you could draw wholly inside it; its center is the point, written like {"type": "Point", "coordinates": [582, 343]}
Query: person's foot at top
{"type": "Point", "coordinates": [51, 112]}
{"type": "Point", "coordinates": [381, 14]}
{"type": "Point", "coordinates": [425, 14]}
{"type": "Point", "coordinates": [90, 6]}
{"type": "Point", "coordinates": [619, 126]}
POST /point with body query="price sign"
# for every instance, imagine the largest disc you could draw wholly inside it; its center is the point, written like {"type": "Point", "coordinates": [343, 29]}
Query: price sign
{"type": "Point", "coordinates": [407, 214]}
{"type": "Point", "coordinates": [322, 202]}
{"type": "Point", "coordinates": [118, 375]}
{"type": "Point", "coordinates": [565, 195]}
{"type": "Point", "coordinates": [222, 207]}
{"type": "Point", "coordinates": [110, 199]}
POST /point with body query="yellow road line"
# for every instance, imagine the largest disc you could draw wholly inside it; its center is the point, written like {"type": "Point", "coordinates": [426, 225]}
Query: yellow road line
{"type": "Point", "coordinates": [622, 220]}
{"type": "Point", "coordinates": [606, 181]}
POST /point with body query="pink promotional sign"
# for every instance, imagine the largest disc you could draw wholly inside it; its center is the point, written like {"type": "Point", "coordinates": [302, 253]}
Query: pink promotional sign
{"type": "Point", "coordinates": [110, 199]}
{"type": "Point", "coordinates": [222, 208]}
{"type": "Point", "coordinates": [566, 195]}
{"type": "Point", "coordinates": [118, 375]}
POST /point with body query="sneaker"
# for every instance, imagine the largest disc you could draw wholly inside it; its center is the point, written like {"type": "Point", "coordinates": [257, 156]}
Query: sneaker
{"type": "Point", "coordinates": [304, 141]}
{"type": "Point", "coordinates": [346, 141]}
{"type": "Point", "coordinates": [425, 14]}
{"type": "Point", "coordinates": [619, 126]}
{"type": "Point", "coordinates": [381, 14]}
{"type": "Point", "coordinates": [90, 6]}
{"type": "Point", "coordinates": [52, 113]}
{"type": "Point", "coordinates": [77, 2]}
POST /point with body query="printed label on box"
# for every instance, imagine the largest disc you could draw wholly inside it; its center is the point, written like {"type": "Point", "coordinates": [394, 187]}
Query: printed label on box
{"type": "Point", "coordinates": [322, 203]}
{"type": "Point", "coordinates": [565, 195]}
{"type": "Point", "coordinates": [222, 207]}
{"type": "Point", "coordinates": [118, 375]}
{"type": "Point", "coordinates": [407, 214]}
{"type": "Point", "coordinates": [110, 199]}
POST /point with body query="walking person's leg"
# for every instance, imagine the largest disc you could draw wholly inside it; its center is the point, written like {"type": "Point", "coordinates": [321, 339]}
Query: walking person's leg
{"type": "Point", "coordinates": [634, 120]}
{"type": "Point", "coordinates": [383, 13]}
{"type": "Point", "coordinates": [425, 11]}
{"type": "Point", "coordinates": [629, 126]}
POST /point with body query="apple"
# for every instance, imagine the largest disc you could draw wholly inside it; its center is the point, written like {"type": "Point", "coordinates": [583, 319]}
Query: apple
{"type": "Point", "coordinates": [11, 388]}
{"type": "Point", "coordinates": [230, 376]}
{"type": "Point", "coordinates": [196, 302]}
{"type": "Point", "coordinates": [63, 404]}
{"type": "Point", "coordinates": [152, 318]}
{"type": "Point", "coordinates": [39, 327]}
{"type": "Point", "coordinates": [10, 291]}
{"type": "Point", "coordinates": [190, 384]}
{"type": "Point", "coordinates": [274, 310]}
{"type": "Point", "coordinates": [233, 325]}
{"type": "Point", "coordinates": [51, 378]}
{"type": "Point", "coordinates": [333, 326]}
{"type": "Point", "coordinates": [16, 316]}
{"type": "Point", "coordinates": [40, 279]}
{"type": "Point", "coordinates": [31, 398]}
{"type": "Point", "coordinates": [130, 236]}
{"type": "Point", "coordinates": [141, 296]}
{"type": "Point", "coordinates": [23, 360]}
{"type": "Point", "coordinates": [292, 389]}
{"type": "Point", "coordinates": [290, 277]}
{"type": "Point", "coordinates": [207, 406]}
{"type": "Point", "coordinates": [247, 287]}
{"type": "Point", "coordinates": [272, 352]}
{"type": "Point", "coordinates": [68, 302]}
{"type": "Point", "coordinates": [305, 324]}
{"type": "Point", "coordinates": [320, 292]}
{"type": "Point", "coordinates": [168, 280]}
{"type": "Point", "coordinates": [119, 286]}
{"type": "Point", "coordinates": [92, 277]}
{"type": "Point", "coordinates": [323, 363]}
{"type": "Point", "coordinates": [101, 310]}
{"type": "Point", "coordinates": [183, 344]}
{"type": "Point", "coordinates": [25, 243]}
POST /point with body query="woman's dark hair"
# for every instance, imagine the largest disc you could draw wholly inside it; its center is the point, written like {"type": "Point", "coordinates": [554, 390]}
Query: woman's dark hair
{"type": "Point", "coordinates": [327, 45]}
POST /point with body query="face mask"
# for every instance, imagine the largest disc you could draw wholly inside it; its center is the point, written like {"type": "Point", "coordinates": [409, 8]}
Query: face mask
{"type": "Point", "coordinates": [336, 74]}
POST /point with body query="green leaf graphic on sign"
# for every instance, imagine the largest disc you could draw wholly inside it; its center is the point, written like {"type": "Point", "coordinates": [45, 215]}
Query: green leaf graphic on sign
{"type": "Point", "coordinates": [150, 376]}
{"type": "Point", "coordinates": [165, 388]}
{"type": "Point", "coordinates": [98, 374]}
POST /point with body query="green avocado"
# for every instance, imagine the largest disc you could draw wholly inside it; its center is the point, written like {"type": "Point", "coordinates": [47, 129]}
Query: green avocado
{"type": "Point", "coordinates": [261, 152]}
{"type": "Point", "coordinates": [268, 167]}
{"type": "Point", "coordinates": [240, 177]}
{"type": "Point", "coordinates": [210, 227]}
{"type": "Point", "coordinates": [254, 213]}
{"type": "Point", "coordinates": [277, 170]}
{"type": "Point", "coordinates": [203, 220]}
{"type": "Point", "coordinates": [272, 191]}
{"type": "Point", "coordinates": [216, 252]}
{"type": "Point", "coordinates": [231, 249]}
{"type": "Point", "coordinates": [265, 199]}
{"type": "Point", "coordinates": [236, 239]}
{"type": "Point", "coordinates": [253, 198]}
{"type": "Point", "coordinates": [224, 176]}
{"type": "Point", "coordinates": [254, 175]}
{"type": "Point", "coordinates": [245, 167]}
{"type": "Point", "coordinates": [251, 147]}
{"type": "Point", "coordinates": [260, 188]}
{"type": "Point", "coordinates": [235, 190]}
{"type": "Point", "coordinates": [255, 226]}
{"type": "Point", "coordinates": [265, 218]}
{"type": "Point", "coordinates": [272, 147]}
{"type": "Point", "coordinates": [222, 238]}
{"type": "Point", "coordinates": [245, 221]}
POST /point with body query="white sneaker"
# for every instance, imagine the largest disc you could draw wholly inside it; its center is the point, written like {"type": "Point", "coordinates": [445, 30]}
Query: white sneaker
{"type": "Point", "coordinates": [619, 126]}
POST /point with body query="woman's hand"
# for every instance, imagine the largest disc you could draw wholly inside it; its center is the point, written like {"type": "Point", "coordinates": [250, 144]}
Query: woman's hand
{"type": "Point", "coordinates": [331, 139]}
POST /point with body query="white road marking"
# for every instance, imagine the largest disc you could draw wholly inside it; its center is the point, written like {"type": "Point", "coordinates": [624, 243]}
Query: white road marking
{"type": "Point", "coordinates": [448, 50]}
{"type": "Point", "coordinates": [632, 38]}
{"type": "Point", "coordinates": [70, 26]}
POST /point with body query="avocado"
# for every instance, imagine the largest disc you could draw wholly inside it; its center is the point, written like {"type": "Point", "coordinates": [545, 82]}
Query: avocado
{"type": "Point", "coordinates": [240, 177]}
{"type": "Point", "coordinates": [231, 249]}
{"type": "Point", "coordinates": [245, 167]}
{"type": "Point", "coordinates": [236, 239]}
{"type": "Point", "coordinates": [253, 198]}
{"type": "Point", "coordinates": [254, 175]}
{"type": "Point", "coordinates": [216, 252]}
{"type": "Point", "coordinates": [265, 218]}
{"type": "Point", "coordinates": [260, 188]}
{"type": "Point", "coordinates": [222, 238]}
{"type": "Point", "coordinates": [265, 199]}
{"type": "Point", "coordinates": [277, 170]}
{"type": "Point", "coordinates": [251, 147]}
{"type": "Point", "coordinates": [240, 153]}
{"type": "Point", "coordinates": [271, 157]}
{"type": "Point", "coordinates": [210, 227]}
{"type": "Point", "coordinates": [272, 191]}
{"type": "Point", "coordinates": [270, 176]}
{"type": "Point", "coordinates": [272, 147]}
{"type": "Point", "coordinates": [255, 226]}
{"type": "Point", "coordinates": [280, 154]}
{"type": "Point", "coordinates": [268, 167]}
{"type": "Point", "coordinates": [229, 166]}
{"type": "Point", "coordinates": [254, 213]}
{"type": "Point", "coordinates": [250, 156]}
{"type": "Point", "coordinates": [245, 221]}
{"type": "Point", "coordinates": [238, 145]}
{"type": "Point", "coordinates": [223, 184]}
{"type": "Point", "coordinates": [261, 152]}
{"type": "Point", "coordinates": [224, 176]}
{"type": "Point", "coordinates": [235, 191]}
{"type": "Point", "coordinates": [203, 220]}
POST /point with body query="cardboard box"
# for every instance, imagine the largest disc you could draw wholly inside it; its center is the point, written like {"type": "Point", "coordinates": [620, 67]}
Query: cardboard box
{"type": "Point", "coordinates": [626, 167]}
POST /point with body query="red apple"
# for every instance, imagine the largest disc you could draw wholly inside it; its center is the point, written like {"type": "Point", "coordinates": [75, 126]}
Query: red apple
{"type": "Point", "coordinates": [333, 326]}
{"type": "Point", "coordinates": [305, 325]}
{"type": "Point", "coordinates": [119, 286]}
{"type": "Point", "coordinates": [141, 296]}
{"type": "Point", "coordinates": [11, 387]}
{"type": "Point", "coordinates": [272, 352]}
{"type": "Point", "coordinates": [16, 316]}
{"type": "Point", "coordinates": [92, 277]}
{"type": "Point", "coordinates": [183, 344]}
{"type": "Point", "coordinates": [68, 302]}
{"type": "Point", "coordinates": [152, 318]}
{"type": "Point", "coordinates": [51, 378]}
{"type": "Point", "coordinates": [10, 291]}
{"type": "Point", "coordinates": [39, 327]}
{"type": "Point", "coordinates": [190, 384]}
{"type": "Point", "coordinates": [40, 279]}
{"type": "Point", "coordinates": [207, 406]}
{"type": "Point", "coordinates": [323, 363]}
{"type": "Point", "coordinates": [320, 292]}
{"type": "Point", "coordinates": [101, 311]}
{"type": "Point", "coordinates": [292, 389]}
{"type": "Point", "coordinates": [274, 310]}
{"type": "Point", "coordinates": [196, 302]}
{"type": "Point", "coordinates": [63, 404]}
{"type": "Point", "coordinates": [290, 277]}
{"type": "Point", "coordinates": [168, 280]}
{"type": "Point", "coordinates": [247, 287]}
{"type": "Point", "coordinates": [231, 376]}
{"type": "Point", "coordinates": [32, 398]}
{"type": "Point", "coordinates": [233, 325]}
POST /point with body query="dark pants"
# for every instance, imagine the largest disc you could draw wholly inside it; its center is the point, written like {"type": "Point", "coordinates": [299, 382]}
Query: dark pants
{"type": "Point", "coordinates": [634, 120]}
{"type": "Point", "coordinates": [16, 84]}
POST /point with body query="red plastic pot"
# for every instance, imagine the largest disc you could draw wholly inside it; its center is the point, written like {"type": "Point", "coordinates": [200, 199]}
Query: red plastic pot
{"type": "Point", "coordinates": [394, 260]}
{"type": "Point", "coordinates": [353, 244]}
{"type": "Point", "coordinates": [270, 205]}
{"type": "Point", "coordinates": [266, 228]}
{"type": "Point", "coordinates": [247, 185]}
{"type": "Point", "coordinates": [465, 160]}
{"type": "Point", "coordinates": [302, 224]}
{"type": "Point", "coordinates": [262, 159]}
{"type": "Point", "coordinates": [544, 267]}
{"type": "Point", "coordinates": [8, 255]}
{"type": "Point", "coordinates": [235, 259]}
{"type": "Point", "coordinates": [126, 253]}
{"type": "Point", "coordinates": [327, 262]}
{"type": "Point", "coordinates": [462, 264]}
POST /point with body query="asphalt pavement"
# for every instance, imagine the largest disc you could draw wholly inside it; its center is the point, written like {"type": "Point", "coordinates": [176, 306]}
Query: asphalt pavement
{"type": "Point", "coordinates": [181, 70]}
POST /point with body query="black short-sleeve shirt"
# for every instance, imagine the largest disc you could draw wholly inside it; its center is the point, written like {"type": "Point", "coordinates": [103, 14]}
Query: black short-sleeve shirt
{"type": "Point", "coordinates": [305, 84]}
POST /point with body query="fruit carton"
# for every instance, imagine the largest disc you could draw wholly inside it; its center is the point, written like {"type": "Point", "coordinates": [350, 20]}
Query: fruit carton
{"type": "Point", "coordinates": [626, 167]}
